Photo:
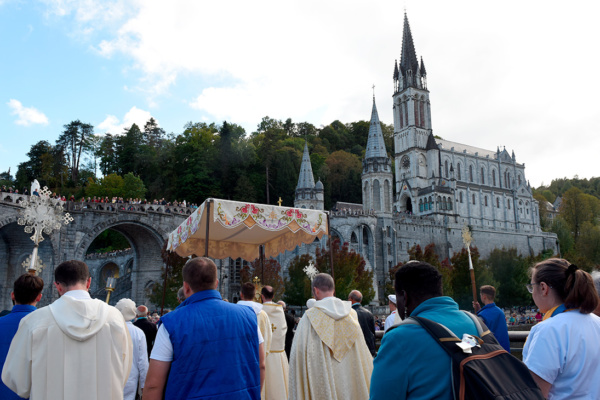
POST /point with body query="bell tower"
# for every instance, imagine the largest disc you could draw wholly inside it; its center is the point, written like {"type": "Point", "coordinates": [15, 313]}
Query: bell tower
{"type": "Point", "coordinates": [412, 122]}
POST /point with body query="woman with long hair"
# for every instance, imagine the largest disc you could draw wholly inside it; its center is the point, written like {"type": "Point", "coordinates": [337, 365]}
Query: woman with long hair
{"type": "Point", "coordinates": [562, 351]}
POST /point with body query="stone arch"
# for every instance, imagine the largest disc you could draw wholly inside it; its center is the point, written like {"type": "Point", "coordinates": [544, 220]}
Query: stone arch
{"type": "Point", "coordinates": [146, 242]}
{"type": "Point", "coordinates": [15, 247]}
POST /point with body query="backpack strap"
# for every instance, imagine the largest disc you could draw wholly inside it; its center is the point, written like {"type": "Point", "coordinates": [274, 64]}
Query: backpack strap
{"type": "Point", "coordinates": [482, 329]}
{"type": "Point", "coordinates": [444, 336]}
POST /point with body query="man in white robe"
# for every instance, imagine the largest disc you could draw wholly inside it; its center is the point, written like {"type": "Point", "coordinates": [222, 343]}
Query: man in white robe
{"type": "Point", "coordinates": [75, 348]}
{"type": "Point", "coordinates": [329, 357]}
{"type": "Point", "coordinates": [247, 294]}
{"type": "Point", "coordinates": [139, 366]}
{"type": "Point", "coordinates": [277, 367]}
{"type": "Point", "coordinates": [389, 321]}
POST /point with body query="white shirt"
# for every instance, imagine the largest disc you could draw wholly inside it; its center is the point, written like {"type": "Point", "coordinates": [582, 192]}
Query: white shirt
{"type": "Point", "coordinates": [389, 321]}
{"type": "Point", "coordinates": [139, 366]}
{"type": "Point", "coordinates": [78, 294]}
{"type": "Point", "coordinates": [564, 352]}
{"type": "Point", "coordinates": [163, 348]}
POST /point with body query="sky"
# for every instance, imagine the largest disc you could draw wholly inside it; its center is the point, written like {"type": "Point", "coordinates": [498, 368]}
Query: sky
{"type": "Point", "coordinates": [516, 74]}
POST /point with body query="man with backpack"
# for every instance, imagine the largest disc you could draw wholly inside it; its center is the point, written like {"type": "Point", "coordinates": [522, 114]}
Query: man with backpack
{"type": "Point", "coordinates": [423, 357]}
{"type": "Point", "coordinates": [410, 364]}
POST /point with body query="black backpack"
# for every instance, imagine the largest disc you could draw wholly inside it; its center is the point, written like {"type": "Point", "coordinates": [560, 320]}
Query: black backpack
{"type": "Point", "coordinates": [489, 372]}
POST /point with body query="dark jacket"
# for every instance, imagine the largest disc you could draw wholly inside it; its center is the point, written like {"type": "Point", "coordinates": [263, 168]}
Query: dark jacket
{"type": "Point", "coordinates": [289, 336]}
{"type": "Point", "coordinates": [367, 324]}
{"type": "Point", "coordinates": [149, 330]}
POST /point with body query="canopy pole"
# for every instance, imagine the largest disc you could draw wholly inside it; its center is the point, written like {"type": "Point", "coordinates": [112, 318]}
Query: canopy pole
{"type": "Point", "coordinates": [330, 248]}
{"type": "Point", "coordinates": [261, 255]}
{"type": "Point", "coordinates": [207, 226]}
{"type": "Point", "coordinates": [162, 305]}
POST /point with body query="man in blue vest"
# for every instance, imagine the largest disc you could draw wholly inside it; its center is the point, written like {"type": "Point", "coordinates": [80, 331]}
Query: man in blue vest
{"type": "Point", "coordinates": [27, 291]}
{"type": "Point", "coordinates": [492, 315]}
{"type": "Point", "coordinates": [207, 348]}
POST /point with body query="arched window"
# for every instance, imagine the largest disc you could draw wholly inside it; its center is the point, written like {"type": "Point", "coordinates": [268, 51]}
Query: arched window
{"type": "Point", "coordinates": [458, 172]}
{"type": "Point", "coordinates": [509, 204]}
{"type": "Point", "coordinates": [470, 173]}
{"type": "Point", "coordinates": [430, 203]}
{"type": "Point", "coordinates": [421, 205]}
{"type": "Point", "coordinates": [421, 113]}
{"type": "Point", "coordinates": [485, 200]}
{"type": "Point", "coordinates": [461, 196]}
{"type": "Point", "coordinates": [473, 199]}
{"type": "Point", "coordinates": [498, 202]}
{"type": "Point", "coordinates": [401, 111]}
{"type": "Point", "coordinates": [446, 169]}
{"type": "Point", "coordinates": [519, 177]}
{"type": "Point", "coordinates": [494, 177]}
{"type": "Point", "coordinates": [449, 203]}
{"type": "Point", "coordinates": [482, 176]}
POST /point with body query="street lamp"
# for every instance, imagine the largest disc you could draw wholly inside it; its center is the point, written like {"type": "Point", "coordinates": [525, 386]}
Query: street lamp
{"type": "Point", "coordinates": [41, 214]}
{"type": "Point", "coordinates": [111, 283]}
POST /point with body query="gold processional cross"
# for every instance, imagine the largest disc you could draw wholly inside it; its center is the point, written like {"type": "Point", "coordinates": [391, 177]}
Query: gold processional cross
{"type": "Point", "coordinates": [279, 202]}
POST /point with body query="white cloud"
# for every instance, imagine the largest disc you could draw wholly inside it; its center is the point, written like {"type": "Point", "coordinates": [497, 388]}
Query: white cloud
{"type": "Point", "coordinates": [113, 125]}
{"type": "Point", "coordinates": [27, 116]}
{"type": "Point", "coordinates": [497, 77]}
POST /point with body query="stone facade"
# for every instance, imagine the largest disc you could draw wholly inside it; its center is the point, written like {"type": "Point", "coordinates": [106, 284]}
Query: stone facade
{"type": "Point", "coordinates": [440, 186]}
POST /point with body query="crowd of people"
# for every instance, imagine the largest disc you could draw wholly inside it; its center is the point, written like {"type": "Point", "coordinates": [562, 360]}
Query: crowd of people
{"type": "Point", "coordinates": [207, 348]}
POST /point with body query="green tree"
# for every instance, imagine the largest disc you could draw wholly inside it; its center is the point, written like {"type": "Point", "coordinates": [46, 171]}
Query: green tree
{"type": "Point", "coordinates": [543, 212]}
{"type": "Point", "coordinates": [75, 139]}
{"type": "Point", "coordinates": [461, 277]}
{"type": "Point", "coordinates": [172, 269]}
{"type": "Point", "coordinates": [297, 285]}
{"type": "Point", "coordinates": [343, 178]}
{"type": "Point", "coordinates": [133, 187]}
{"type": "Point", "coordinates": [588, 247]}
{"type": "Point", "coordinates": [128, 148]}
{"type": "Point", "coordinates": [510, 271]}
{"type": "Point", "coordinates": [349, 273]}
{"type": "Point", "coordinates": [106, 153]}
{"type": "Point", "coordinates": [269, 275]}
{"type": "Point", "coordinates": [564, 236]}
{"type": "Point", "coordinates": [577, 208]}
{"type": "Point", "coordinates": [111, 185]}
{"type": "Point", "coordinates": [266, 138]}
{"type": "Point", "coordinates": [33, 168]}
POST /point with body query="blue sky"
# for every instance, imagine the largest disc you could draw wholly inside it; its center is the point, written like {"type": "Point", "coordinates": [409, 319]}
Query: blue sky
{"type": "Point", "coordinates": [516, 74]}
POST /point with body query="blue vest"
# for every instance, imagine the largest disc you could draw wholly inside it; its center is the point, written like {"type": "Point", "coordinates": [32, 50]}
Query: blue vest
{"type": "Point", "coordinates": [495, 320]}
{"type": "Point", "coordinates": [215, 350]}
{"type": "Point", "coordinates": [8, 328]}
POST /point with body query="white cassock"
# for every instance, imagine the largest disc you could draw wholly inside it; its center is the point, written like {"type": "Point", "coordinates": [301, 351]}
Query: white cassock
{"type": "Point", "coordinates": [264, 325]}
{"type": "Point", "coordinates": [277, 371]}
{"type": "Point", "coordinates": [77, 347]}
{"type": "Point", "coordinates": [139, 366]}
{"type": "Point", "coordinates": [389, 321]}
{"type": "Point", "coordinates": [329, 357]}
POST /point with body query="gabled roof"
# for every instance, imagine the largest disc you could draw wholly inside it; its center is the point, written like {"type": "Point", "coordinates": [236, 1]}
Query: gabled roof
{"type": "Point", "coordinates": [306, 179]}
{"type": "Point", "coordinates": [375, 142]}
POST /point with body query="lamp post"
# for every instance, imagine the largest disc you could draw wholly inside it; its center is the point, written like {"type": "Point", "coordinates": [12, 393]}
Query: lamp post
{"type": "Point", "coordinates": [111, 283]}
{"type": "Point", "coordinates": [41, 214]}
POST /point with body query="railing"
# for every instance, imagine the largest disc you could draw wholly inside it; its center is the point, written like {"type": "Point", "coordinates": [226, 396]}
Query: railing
{"type": "Point", "coordinates": [83, 206]}
{"type": "Point", "coordinates": [116, 253]}
{"type": "Point", "coordinates": [515, 337]}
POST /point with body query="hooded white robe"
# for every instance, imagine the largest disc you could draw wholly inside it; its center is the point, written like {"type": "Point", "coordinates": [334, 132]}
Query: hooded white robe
{"type": "Point", "coordinates": [264, 325]}
{"type": "Point", "coordinates": [75, 348]}
{"type": "Point", "coordinates": [329, 357]}
{"type": "Point", "coordinates": [277, 367]}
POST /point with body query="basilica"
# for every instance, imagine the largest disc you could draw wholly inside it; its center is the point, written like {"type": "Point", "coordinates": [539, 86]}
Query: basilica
{"type": "Point", "coordinates": [435, 188]}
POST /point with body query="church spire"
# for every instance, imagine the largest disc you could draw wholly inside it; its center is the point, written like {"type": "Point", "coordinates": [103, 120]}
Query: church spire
{"type": "Point", "coordinates": [375, 142]}
{"type": "Point", "coordinates": [409, 65]}
{"type": "Point", "coordinates": [306, 179]}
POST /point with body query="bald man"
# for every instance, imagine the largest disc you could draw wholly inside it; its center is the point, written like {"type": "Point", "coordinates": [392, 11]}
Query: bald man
{"type": "Point", "coordinates": [365, 318]}
{"type": "Point", "coordinates": [146, 326]}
